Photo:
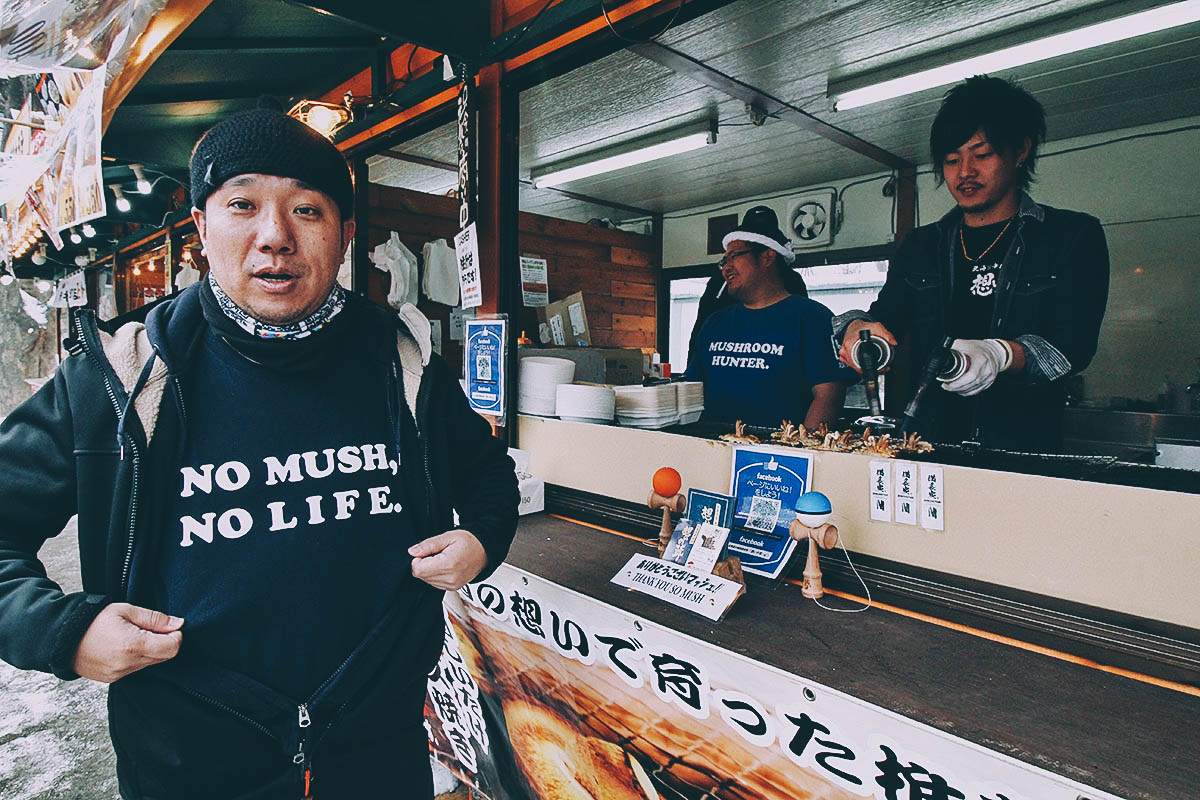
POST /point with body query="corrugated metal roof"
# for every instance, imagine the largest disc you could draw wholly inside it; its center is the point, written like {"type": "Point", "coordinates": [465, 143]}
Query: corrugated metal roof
{"type": "Point", "coordinates": [792, 50]}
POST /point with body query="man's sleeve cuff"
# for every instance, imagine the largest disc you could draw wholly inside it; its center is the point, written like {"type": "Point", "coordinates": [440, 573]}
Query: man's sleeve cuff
{"type": "Point", "coordinates": [843, 320]}
{"type": "Point", "coordinates": [62, 657]}
{"type": "Point", "coordinates": [1043, 361]}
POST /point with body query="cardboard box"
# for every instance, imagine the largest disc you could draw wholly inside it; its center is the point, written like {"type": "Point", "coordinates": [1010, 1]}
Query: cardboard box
{"type": "Point", "coordinates": [616, 365]}
{"type": "Point", "coordinates": [563, 323]}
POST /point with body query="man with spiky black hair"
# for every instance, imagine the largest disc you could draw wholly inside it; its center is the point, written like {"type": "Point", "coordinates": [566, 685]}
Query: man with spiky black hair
{"type": "Point", "coordinates": [1021, 286]}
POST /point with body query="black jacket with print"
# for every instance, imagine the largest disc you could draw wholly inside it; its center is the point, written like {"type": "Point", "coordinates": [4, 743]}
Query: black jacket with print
{"type": "Point", "coordinates": [102, 439]}
{"type": "Point", "coordinates": [1051, 297]}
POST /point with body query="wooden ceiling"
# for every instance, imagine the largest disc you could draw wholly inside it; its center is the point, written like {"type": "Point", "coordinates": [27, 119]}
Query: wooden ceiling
{"type": "Point", "coordinates": [792, 50]}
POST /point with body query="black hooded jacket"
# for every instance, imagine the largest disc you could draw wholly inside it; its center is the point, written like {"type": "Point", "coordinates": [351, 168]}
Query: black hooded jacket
{"type": "Point", "coordinates": [103, 438]}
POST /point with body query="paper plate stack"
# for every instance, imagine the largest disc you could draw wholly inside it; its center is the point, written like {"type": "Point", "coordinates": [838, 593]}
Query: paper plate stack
{"type": "Point", "coordinates": [578, 403]}
{"type": "Point", "coordinates": [689, 401]}
{"type": "Point", "coordinates": [647, 406]}
{"type": "Point", "coordinates": [538, 382]}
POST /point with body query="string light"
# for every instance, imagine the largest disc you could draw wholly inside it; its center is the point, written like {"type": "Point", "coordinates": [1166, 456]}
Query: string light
{"type": "Point", "coordinates": [123, 203]}
{"type": "Point", "coordinates": [143, 185]}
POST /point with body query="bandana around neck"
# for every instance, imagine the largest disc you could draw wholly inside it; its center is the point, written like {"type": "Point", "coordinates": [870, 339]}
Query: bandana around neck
{"type": "Point", "coordinates": [291, 330]}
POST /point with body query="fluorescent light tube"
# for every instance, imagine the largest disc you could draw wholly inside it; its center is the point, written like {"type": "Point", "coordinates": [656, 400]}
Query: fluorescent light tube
{"type": "Point", "coordinates": [637, 152]}
{"type": "Point", "coordinates": [1114, 30]}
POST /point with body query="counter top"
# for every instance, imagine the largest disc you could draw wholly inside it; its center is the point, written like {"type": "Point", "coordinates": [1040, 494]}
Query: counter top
{"type": "Point", "coordinates": [1118, 734]}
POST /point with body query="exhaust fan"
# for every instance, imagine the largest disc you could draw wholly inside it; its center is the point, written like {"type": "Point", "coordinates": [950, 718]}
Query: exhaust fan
{"type": "Point", "coordinates": [810, 220]}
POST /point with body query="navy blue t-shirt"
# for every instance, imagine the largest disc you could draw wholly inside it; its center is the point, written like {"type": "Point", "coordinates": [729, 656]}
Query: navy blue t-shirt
{"type": "Point", "coordinates": [759, 364]}
{"type": "Point", "coordinates": [288, 535]}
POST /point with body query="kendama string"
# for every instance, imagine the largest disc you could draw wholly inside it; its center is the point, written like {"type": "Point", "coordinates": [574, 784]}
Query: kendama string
{"type": "Point", "coordinates": [866, 588]}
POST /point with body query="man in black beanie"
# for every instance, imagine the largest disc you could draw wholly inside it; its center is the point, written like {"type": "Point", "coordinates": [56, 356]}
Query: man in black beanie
{"type": "Point", "coordinates": [767, 356]}
{"type": "Point", "coordinates": [266, 476]}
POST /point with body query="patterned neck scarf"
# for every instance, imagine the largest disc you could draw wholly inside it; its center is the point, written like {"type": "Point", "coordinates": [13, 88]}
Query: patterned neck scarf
{"type": "Point", "coordinates": [288, 348]}
{"type": "Point", "coordinates": [333, 304]}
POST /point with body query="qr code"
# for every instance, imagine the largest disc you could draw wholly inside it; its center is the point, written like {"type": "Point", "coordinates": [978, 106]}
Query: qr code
{"type": "Point", "coordinates": [764, 513]}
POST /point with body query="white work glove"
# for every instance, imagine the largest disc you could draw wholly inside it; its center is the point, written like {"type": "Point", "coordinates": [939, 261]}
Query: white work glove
{"type": "Point", "coordinates": [986, 358]}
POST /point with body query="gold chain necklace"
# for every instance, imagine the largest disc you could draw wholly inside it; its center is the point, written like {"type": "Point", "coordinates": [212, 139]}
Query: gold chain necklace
{"type": "Point", "coordinates": [963, 242]}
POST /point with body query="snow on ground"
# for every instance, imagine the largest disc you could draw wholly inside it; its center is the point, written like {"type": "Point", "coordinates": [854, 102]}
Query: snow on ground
{"type": "Point", "coordinates": [54, 734]}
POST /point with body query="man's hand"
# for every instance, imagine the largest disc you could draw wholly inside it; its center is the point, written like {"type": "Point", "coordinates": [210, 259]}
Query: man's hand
{"type": "Point", "coordinates": [123, 639]}
{"type": "Point", "coordinates": [986, 358]}
{"type": "Point", "coordinates": [449, 560]}
{"type": "Point", "coordinates": [851, 336]}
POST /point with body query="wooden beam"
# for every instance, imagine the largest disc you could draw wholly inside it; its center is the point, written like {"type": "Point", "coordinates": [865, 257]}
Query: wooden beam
{"type": "Point", "coordinates": [906, 201]}
{"type": "Point", "coordinates": [497, 217]}
{"type": "Point", "coordinates": [273, 45]}
{"type": "Point", "coordinates": [158, 36]}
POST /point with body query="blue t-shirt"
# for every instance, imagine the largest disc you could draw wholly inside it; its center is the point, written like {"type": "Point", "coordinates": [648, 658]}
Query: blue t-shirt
{"type": "Point", "coordinates": [759, 364]}
{"type": "Point", "coordinates": [288, 536]}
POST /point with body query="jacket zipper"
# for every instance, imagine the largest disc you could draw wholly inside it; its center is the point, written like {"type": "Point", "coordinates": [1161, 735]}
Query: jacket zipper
{"type": "Point", "coordinates": [301, 759]}
{"type": "Point", "coordinates": [230, 710]}
{"type": "Point", "coordinates": [86, 347]}
{"type": "Point", "coordinates": [304, 722]}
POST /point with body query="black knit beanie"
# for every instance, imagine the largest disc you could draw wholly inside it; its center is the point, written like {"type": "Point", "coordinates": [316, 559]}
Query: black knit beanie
{"type": "Point", "coordinates": [269, 142]}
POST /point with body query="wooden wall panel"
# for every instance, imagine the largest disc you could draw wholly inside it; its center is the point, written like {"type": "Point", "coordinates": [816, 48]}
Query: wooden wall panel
{"type": "Point", "coordinates": [616, 270]}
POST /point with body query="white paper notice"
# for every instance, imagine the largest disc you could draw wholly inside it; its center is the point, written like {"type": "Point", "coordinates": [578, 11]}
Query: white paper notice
{"type": "Point", "coordinates": [881, 491]}
{"type": "Point", "coordinates": [72, 291]}
{"type": "Point", "coordinates": [466, 250]}
{"type": "Point", "coordinates": [905, 482]}
{"type": "Point", "coordinates": [694, 590]}
{"type": "Point", "coordinates": [556, 330]}
{"type": "Point", "coordinates": [578, 323]}
{"type": "Point", "coordinates": [535, 290]}
{"type": "Point", "coordinates": [543, 333]}
{"type": "Point", "coordinates": [933, 506]}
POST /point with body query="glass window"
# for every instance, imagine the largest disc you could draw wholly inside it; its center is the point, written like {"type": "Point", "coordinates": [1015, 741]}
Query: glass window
{"type": "Point", "coordinates": [842, 287]}
{"type": "Point", "coordinates": [685, 302]}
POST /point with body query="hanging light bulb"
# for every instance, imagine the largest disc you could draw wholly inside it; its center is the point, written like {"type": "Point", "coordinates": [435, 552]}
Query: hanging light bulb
{"type": "Point", "coordinates": [143, 185]}
{"type": "Point", "coordinates": [88, 230]}
{"type": "Point", "coordinates": [137, 270]}
{"type": "Point", "coordinates": [43, 285]}
{"type": "Point", "coordinates": [6, 279]}
{"type": "Point", "coordinates": [151, 265]}
{"type": "Point", "coordinates": [39, 258]}
{"type": "Point", "coordinates": [81, 260]}
{"type": "Point", "coordinates": [122, 201]}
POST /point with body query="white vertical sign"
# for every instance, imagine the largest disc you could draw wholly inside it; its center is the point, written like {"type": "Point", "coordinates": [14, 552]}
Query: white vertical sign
{"type": "Point", "coordinates": [557, 334]}
{"type": "Point", "coordinates": [466, 250]}
{"type": "Point", "coordinates": [881, 491]}
{"type": "Point", "coordinates": [905, 481]}
{"type": "Point", "coordinates": [933, 507]}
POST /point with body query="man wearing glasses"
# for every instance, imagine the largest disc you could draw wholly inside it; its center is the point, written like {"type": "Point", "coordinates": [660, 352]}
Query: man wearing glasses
{"type": "Point", "coordinates": [767, 357]}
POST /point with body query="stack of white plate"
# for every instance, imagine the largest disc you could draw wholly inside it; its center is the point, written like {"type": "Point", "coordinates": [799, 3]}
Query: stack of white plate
{"type": "Point", "coordinates": [647, 406]}
{"type": "Point", "coordinates": [689, 401]}
{"type": "Point", "coordinates": [578, 403]}
{"type": "Point", "coordinates": [538, 381]}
